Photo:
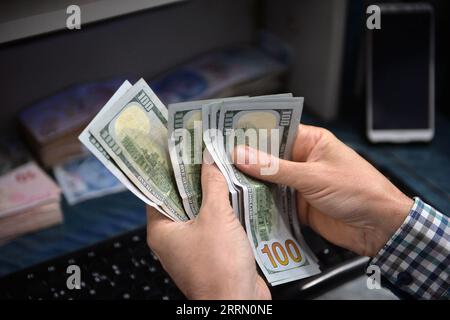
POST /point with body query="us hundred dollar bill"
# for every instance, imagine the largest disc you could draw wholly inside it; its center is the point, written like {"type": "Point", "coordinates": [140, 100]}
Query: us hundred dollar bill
{"type": "Point", "coordinates": [268, 210]}
{"type": "Point", "coordinates": [210, 117]}
{"type": "Point", "coordinates": [186, 149]}
{"type": "Point", "coordinates": [186, 124]}
{"type": "Point", "coordinates": [91, 143]}
{"type": "Point", "coordinates": [209, 135]}
{"type": "Point", "coordinates": [133, 132]}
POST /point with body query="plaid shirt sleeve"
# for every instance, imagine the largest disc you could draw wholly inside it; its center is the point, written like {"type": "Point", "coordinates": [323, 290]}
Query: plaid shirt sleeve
{"type": "Point", "coordinates": [415, 262]}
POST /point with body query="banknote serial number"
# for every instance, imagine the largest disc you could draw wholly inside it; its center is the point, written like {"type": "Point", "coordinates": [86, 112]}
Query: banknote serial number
{"type": "Point", "coordinates": [226, 309]}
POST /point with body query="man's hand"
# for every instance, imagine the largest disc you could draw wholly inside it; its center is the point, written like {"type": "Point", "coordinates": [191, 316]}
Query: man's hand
{"type": "Point", "coordinates": [209, 257]}
{"type": "Point", "coordinates": [339, 194]}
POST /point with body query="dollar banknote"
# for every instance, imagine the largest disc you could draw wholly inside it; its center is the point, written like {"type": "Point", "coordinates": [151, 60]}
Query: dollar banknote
{"type": "Point", "coordinates": [211, 134]}
{"type": "Point", "coordinates": [91, 143]}
{"type": "Point", "coordinates": [267, 208]}
{"type": "Point", "coordinates": [133, 131]}
{"type": "Point", "coordinates": [185, 124]}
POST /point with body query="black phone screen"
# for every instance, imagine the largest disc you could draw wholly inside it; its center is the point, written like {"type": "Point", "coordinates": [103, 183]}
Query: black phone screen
{"type": "Point", "coordinates": [401, 55]}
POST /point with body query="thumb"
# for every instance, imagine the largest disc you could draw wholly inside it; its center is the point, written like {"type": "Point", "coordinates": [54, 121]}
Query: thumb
{"type": "Point", "coordinates": [269, 168]}
{"type": "Point", "coordinates": [215, 193]}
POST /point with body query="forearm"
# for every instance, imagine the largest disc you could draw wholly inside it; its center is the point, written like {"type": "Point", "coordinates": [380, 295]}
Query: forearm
{"type": "Point", "coordinates": [416, 260]}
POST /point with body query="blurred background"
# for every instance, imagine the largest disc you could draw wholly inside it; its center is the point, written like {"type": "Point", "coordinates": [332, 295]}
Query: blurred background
{"type": "Point", "coordinates": [56, 199]}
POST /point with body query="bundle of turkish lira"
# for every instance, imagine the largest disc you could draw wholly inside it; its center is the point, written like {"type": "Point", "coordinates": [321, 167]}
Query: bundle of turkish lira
{"type": "Point", "coordinates": [156, 152]}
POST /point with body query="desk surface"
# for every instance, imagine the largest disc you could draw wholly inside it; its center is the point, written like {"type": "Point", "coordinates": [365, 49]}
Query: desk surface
{"type": "Point", "coordinates": [424, 168]}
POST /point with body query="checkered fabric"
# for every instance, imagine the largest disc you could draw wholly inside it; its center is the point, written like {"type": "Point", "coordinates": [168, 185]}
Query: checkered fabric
{"type": "Point", "coordinates": [416, 260]}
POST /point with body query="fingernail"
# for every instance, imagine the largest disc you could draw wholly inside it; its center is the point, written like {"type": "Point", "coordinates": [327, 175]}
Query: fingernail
{"type": "Point", "coordinates": [207, 158]}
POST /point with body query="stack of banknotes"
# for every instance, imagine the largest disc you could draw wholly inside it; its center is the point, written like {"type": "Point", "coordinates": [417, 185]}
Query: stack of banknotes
{"type": "Point", "coordinates": [156, 152]}
{"type": "Point", "coordinates": [52, 125]}
{"type": "Point", "coordinates": [29, 201]}
{"type": "Point", "coordinates": [233, 70]}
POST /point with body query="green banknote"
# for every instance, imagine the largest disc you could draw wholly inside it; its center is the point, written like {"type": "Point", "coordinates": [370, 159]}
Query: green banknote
{"type": "Point", "coordinates": [186, 150]}
{"type": "Point", "coordinates": [268, 211]}
{"type": "Point", "coordinates": [91, 143]}
{"type": "Point", "coordinates": [211, 113]}
{"type": "Point", "coordinates": [209, 136]}
{"type": "Point", "coordinates": [133, 131]}
{"type": "Point", "coordinates": [185, 125]}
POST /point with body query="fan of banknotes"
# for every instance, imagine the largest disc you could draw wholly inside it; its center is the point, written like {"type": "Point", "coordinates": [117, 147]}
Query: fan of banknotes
{"type": "Point", "coordinates": [156, 152]}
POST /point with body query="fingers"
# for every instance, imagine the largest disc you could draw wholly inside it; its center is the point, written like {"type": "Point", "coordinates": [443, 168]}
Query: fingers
{"type": "Point", "coordinates": [307, 138]}
{"type": "Point", "coordinates": [257, 163]}
{"type": "Point", "coordinates": [214, 186]}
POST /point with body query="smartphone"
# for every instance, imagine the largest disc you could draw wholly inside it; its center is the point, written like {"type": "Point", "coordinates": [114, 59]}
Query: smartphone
{"type": "Point", "coordinates": [400, 75]}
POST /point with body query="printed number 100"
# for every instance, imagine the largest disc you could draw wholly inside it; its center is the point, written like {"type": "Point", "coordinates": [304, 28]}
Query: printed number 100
{"type": "Point", "coordinates": [278, 254]}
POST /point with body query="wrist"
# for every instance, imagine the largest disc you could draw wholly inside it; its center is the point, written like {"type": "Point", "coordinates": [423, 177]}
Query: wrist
{"type": "Point", "coordinates": [388, 220]}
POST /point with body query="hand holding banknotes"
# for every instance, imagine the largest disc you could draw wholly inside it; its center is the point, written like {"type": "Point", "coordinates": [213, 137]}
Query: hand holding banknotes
{"type": "Point", "coordinates": [156, 153]}
{"type": "Point", "coordinates": [209, 257]}
{"type": "Point", "coordinates": [208, 223]}
{"type": "Point", "coordinates": [339, 194]}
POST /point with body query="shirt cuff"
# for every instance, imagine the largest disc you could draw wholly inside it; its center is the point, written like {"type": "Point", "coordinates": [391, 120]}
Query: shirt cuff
{"type": "Point", "coordinates": [416, 260]}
